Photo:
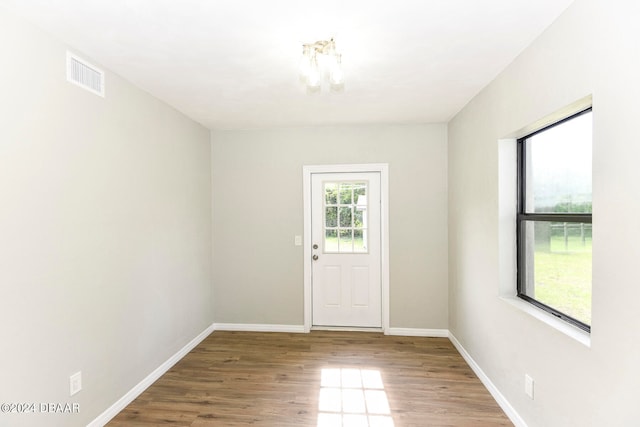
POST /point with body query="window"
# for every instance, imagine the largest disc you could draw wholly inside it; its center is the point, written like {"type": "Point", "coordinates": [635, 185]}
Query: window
{"type": "Point", "coordinates": [554, 219]}
{"type": "Point", "coordinates": [345, 217]}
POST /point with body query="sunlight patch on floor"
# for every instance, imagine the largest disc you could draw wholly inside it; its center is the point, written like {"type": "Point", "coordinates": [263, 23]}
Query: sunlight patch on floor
{"type": "Point", "coordinates": [352, 397]}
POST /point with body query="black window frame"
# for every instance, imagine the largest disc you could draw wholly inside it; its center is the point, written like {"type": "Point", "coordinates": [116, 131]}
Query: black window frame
{"type": "Point", "coordinates": [522, 217]}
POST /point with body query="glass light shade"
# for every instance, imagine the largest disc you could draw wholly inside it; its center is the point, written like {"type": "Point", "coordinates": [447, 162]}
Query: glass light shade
{"type": "Point", "coordinates": [305, 64]}
{"type": "Point", "coordinates": [313, 79]}
{"type": "Point", "coordinates": [336, 76]}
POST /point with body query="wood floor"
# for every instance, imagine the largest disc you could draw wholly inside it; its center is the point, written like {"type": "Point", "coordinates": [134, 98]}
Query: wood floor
{"type": "Point", "coordinates": [323, 378]}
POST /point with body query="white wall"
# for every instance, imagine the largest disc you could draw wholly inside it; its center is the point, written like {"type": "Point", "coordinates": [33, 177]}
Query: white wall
{"type": "Point", "coordinates": [105, 232]}
{"type": "Point", "coordinates": [591, 49]}
{"type": "Point", "coordinates": [257, 187]}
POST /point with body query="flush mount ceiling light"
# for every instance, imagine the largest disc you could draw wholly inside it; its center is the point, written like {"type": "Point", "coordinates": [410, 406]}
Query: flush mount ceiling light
{"type": "Point", "coordinates": [320, 61]}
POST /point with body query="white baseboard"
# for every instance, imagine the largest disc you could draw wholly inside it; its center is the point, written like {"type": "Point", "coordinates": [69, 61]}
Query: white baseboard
{"type": "Point", "coordinates": [248, 327]}
{"type": "Point", "coordinates": [136, 391]}
{"type": "Point", "coordinates": [415, 332]}
{"type": "Point", "coordinates": [515, 418]}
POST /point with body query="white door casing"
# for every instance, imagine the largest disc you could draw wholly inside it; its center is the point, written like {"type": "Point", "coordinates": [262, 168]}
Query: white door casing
{"type": "Point", "coordinates": [347, 284]}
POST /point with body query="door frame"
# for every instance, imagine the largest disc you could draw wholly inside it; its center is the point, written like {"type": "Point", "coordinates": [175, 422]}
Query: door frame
{"type": "Point", "coordinates": [383, 169]}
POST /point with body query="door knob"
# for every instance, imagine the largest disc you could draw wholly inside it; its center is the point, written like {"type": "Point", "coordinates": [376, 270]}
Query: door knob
{"type": "Point", "coordinates": [315, 246]}
{"type": "Point", "coordinates": [315, 257]}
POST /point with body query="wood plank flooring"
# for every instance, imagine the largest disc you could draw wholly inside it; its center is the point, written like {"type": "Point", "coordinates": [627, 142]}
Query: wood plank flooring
{"type": "Point", "coordinates": [276, 379]}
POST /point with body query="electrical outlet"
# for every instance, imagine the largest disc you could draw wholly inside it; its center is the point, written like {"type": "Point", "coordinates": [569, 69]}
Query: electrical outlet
{"type": "Point", "coordinates": [297, 240]}
{"type": "Point", "coordinates": [75, 383]}
{"type": "Point", "coordinates": [528, 386]}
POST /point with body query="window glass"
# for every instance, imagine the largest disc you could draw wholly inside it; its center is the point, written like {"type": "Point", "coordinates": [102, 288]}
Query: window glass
{"type": "Point", "coordinates": [559, 168]}
{"type": "Point", "coordinates": [345, 217]}
{"type": "Point", "coordinates": [559, 274]}
{"type": "Point", "coordinates": [331, 241]}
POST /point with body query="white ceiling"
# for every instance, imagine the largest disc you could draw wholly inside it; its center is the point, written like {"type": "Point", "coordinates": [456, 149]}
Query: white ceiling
{"type": "Point", "coordinates": [232, 64]}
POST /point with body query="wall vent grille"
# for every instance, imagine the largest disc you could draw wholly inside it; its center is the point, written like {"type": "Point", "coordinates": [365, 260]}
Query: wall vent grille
{"type": "Point", "coordinates": [84, 74]}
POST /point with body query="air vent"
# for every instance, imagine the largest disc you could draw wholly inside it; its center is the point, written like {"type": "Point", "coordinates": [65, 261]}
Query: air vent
{"type": "Point", "coordinates": [85, 75]}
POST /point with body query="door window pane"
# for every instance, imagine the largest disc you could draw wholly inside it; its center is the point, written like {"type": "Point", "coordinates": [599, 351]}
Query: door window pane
{"type": "Point", "coordinates": [346, 193]}
{"type": "Point", "coordinates": [331, 241]}
{"type": "Point", "coordinates": [346, 240]}
{"type": "Point", "coordinates": [331, 216]}
{"type": "Point", "coordinates": [359, 241]}
{"type": "Point", "coordinates": [358, 217]}
{"type": "Point", "coordinates": [345, 217]}
{"type": "Point", "coordinates": [331, 193]}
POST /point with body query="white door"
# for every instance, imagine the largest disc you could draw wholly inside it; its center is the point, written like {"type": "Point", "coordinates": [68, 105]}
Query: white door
{"type": "Point", "coordinates": [345, 237]}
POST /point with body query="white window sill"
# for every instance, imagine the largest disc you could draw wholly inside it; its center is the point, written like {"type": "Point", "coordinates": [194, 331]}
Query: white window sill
{"type": "Point", "coordinates": [583, 337]}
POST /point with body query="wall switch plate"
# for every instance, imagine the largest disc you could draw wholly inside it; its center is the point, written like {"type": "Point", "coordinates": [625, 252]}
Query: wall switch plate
{"type": "Point", "coordinates": [75, 383]}
{"type": "Point", "coordinates": [528, 386]}
{"type": "Point", "coordinates": [297, 240]}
